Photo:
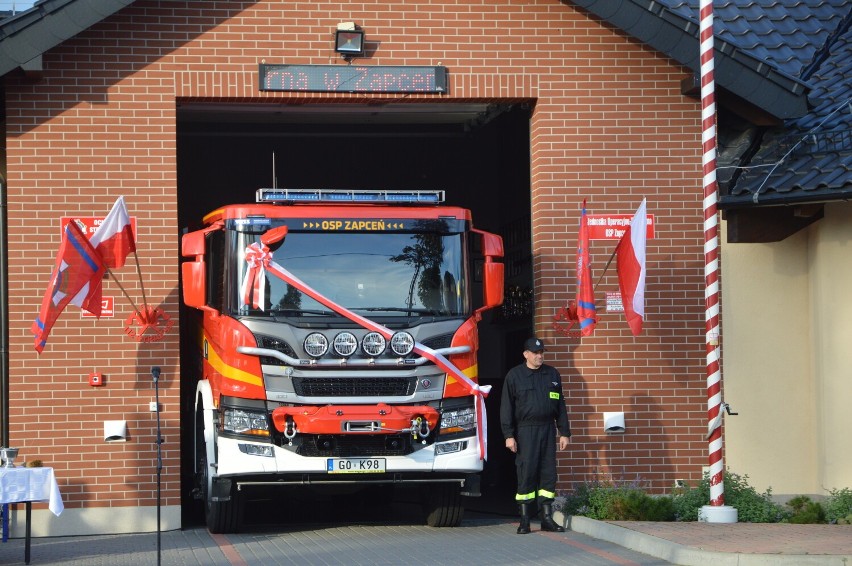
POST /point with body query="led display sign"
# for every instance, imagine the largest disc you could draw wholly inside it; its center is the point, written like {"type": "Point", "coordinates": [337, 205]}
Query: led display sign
{"type": "Point", "coordinates": [353, 78]}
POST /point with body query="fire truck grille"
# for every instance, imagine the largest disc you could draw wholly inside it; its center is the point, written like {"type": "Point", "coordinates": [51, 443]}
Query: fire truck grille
{"type": "Point", "coordinates": [437, 342]}
{"type": "Point", "coordinates": [273, 343]}
{"type": "Point", "coordinates": [354, 386]}
{"type": "Point", "coordinates": [349, 446]}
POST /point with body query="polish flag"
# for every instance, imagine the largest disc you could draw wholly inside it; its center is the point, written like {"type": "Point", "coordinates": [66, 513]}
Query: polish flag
{"type": "Point", "coordinates": [77, 275]}
{"type": "Point", "coordinates": [114, 238]}
{"type": "Point", "coordinates": [631, 269]}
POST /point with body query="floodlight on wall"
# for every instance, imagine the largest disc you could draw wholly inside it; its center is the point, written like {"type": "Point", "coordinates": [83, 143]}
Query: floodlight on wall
{"type": "Point", "coordinates": [349, 40]}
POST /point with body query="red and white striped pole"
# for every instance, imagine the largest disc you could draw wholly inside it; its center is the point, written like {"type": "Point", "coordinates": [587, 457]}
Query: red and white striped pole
{"type": "Point", "coordinates": [711, 263]}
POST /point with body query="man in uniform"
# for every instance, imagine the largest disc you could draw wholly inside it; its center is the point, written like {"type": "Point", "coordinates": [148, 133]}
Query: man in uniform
{"type": "Point", "coordinates": [531, 411]}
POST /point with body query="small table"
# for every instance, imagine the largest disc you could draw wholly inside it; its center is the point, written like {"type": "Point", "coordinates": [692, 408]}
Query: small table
{"type": "Point", "coordinates": [25, 485]}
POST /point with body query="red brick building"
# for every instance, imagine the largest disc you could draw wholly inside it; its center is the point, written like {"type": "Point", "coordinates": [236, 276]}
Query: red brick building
{"type": "Point", "coordinates": [546, 105]}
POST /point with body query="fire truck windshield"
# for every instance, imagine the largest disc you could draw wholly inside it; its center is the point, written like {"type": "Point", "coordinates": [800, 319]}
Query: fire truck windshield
{"type": "Point", "coordinates": [391, 274]}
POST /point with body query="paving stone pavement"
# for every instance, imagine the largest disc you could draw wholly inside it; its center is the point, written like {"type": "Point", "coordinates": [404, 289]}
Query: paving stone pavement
{"type": "Point", "coordinates": [480, 540]}
{"type": "Point", "coordinates": [734, 544]}
{"type": "Point", "coordinates": [484, 538]}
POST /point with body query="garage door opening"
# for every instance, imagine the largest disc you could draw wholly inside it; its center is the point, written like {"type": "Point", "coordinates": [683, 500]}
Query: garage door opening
{"type": "Point", "coordinates": [478, 154]}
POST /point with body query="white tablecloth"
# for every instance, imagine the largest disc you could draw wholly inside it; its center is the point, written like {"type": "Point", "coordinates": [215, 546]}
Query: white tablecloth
{"type": "Point", "coordinates": [18, 485]}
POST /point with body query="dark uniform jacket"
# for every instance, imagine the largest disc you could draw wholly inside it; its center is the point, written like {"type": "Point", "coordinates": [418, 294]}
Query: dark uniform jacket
{"type": "Point", "coordinates": [533, 398]}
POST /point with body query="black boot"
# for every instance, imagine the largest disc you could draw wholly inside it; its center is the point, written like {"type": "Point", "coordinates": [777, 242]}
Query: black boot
{"type": "Point", "coordinates": [547, 522]}
{"type": "Point", "coordinates": [524, 527]}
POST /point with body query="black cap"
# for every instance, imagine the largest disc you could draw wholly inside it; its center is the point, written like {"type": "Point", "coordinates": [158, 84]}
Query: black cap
{"type": "Point", "coordinates": [534, 345]}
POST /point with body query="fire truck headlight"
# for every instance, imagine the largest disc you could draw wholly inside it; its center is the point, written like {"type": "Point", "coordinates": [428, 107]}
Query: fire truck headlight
{"type": "Point", "coordinates": [373, 344]}
{"type": "Point", "coordinates": [345, 344]}
{"type": "Point", "coordinates": [458, 420]}
{"type": "Point", "coordinates": [240, 421]}
{"type": "Point", "coordinates": [402, 343]}
{"type": "Point", "coordinates": [316, 345]}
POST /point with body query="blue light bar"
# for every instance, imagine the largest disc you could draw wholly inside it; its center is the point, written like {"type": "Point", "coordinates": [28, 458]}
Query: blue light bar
{"type": "Point", "coordinates": [340, 196]}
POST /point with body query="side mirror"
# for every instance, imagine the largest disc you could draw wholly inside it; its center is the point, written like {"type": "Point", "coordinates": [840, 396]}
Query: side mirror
{"type": "Point", "coordinates": [492, 244]}
{"type": "Point", "coordinates": [193, 244]}
{"type": "Point", "coordinates": [492, 283]}
{"type": "Point", "coordinates": [274, 235]}
{"type": "Point", "coordinates": [194, 273]}
{"type": "Point", "coordinates": [492, 271]}
{"type": "Point", "coordinates": [194, 284]}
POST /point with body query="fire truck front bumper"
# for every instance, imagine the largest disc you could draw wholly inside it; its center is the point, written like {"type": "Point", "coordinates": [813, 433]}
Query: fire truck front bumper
{"type": "Point", "coordinates": [237, 456]}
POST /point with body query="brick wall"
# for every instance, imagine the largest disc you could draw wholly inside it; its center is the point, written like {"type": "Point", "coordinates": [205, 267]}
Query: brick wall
{"type": "Point", "coordinates": [609, 125]}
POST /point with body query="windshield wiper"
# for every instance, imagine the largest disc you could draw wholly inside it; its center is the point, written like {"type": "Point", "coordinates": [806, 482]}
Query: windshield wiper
{"type": "Point", "coordinates": [300, 311]}
{"type": "Point", "coordinates": [433, 312]}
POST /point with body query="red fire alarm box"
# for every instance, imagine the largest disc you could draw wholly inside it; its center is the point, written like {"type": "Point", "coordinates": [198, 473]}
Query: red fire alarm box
{"type": "Point", "coordinates": [96, 379]}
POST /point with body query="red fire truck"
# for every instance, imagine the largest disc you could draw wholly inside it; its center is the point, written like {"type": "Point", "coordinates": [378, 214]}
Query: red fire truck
{"type": "Point", "coordinates": [337, 344]}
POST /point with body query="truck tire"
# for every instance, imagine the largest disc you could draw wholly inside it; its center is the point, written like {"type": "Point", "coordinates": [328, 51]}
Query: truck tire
{"type": "Point", "coordinates": [220, 516]}
{"type": "Point", "coordinates": [443, 505]}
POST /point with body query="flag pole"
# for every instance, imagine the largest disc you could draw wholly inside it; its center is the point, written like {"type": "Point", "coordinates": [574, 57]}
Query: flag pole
{"type": "Point", "coordinates": [120, 286]}
{"type": "Point", "coordinates": [606, 267]}
{"type": "Point", "coordinates": [717, 511]}
{"type": "Point", "coordinates": [141, 284]}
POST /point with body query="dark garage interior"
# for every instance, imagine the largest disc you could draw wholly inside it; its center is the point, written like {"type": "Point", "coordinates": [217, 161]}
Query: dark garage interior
{"type": "Point", "coordinates": [477, 153]}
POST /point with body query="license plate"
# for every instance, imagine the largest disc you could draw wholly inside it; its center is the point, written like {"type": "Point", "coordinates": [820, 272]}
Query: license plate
{"type": "Point", "coordinates": [355, 465]}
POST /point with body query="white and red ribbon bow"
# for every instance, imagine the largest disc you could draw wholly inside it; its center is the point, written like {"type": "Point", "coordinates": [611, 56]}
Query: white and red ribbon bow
{"type": "Point", "coordinates": [254, 283]}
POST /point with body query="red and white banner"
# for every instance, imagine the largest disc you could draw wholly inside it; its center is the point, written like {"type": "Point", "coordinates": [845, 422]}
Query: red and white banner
{"type": "Point", "coordinates": [114, 239]}
{"type": "Point", "coordinates": [77, 277]}
{"type": "Point", "coordinates": [631, 269]}
{"type": "Point", "coordinates": [90, 225]}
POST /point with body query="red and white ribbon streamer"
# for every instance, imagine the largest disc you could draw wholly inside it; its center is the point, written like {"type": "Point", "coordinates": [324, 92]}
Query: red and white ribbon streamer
{"type": "Point", "coordinates": [479, 392]}
{"type": "Point", "coordinates": [711, 253]}
{"type": "Point", "coordinates": [254, 285]}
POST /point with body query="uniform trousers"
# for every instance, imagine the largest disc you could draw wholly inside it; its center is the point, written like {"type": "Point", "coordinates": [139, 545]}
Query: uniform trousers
{"type": "Point", "coordinates": [535, 462]}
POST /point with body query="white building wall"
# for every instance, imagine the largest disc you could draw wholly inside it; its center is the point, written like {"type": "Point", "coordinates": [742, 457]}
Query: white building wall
{"type": "Point", "coordinates": [831, 294]}
{"type": "Point", "coordinates": [787, 358]}
{"type": "Point", "coordinates": [767, 372]}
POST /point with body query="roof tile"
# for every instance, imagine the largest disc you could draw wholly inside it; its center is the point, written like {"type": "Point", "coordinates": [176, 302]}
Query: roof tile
{"type": "Point", "coordinates": [785, 33]}
{"type": "Point", "coordinates": [811, 156]}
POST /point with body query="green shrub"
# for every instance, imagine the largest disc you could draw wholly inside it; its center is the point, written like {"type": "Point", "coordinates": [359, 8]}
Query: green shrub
{"type": "Point", "coordinates": [575, 502]}
{"type": "Point", "coordinates": [612, 501]}
{"type": "Point", "coordinates": [639, 506]}
{"type": "Point", "coordinates": [752, 507]}
{"type": "Point", "coordinates": [805, 511]}
{"type": "Point", "coordinates": [689, 500]}
{"type": "Point", "coordinates": [602, 499]}
{"type": "Point", "coordinates": [838, 505]}
{"type": "Point", "coordinates": [609, 500]}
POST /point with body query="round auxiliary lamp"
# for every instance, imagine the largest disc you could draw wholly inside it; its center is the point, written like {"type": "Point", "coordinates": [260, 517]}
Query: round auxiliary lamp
{"type": "Point", "coordinates": [7, 457]}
